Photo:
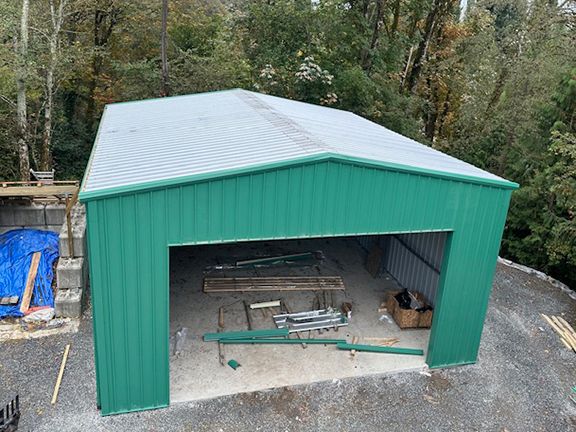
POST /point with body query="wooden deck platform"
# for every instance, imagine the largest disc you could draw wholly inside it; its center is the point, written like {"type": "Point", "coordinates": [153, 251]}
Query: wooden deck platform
{"type": "Point", "coordinates": [37, 189]}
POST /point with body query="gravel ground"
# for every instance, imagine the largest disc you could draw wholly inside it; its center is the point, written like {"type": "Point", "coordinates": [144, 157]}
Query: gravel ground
{"type": "Point", "coordinates": [521, 383]}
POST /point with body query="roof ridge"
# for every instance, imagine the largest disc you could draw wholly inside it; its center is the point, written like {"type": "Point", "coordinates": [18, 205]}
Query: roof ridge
{"type": "Point", "coordinates": [308, 143]}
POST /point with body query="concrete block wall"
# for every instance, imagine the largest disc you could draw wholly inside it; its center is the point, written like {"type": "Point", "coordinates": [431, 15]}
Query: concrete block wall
{"type": "Point", "coordinates": [72, 268]}
{"type": "Point", "coordinates": [43, 216]}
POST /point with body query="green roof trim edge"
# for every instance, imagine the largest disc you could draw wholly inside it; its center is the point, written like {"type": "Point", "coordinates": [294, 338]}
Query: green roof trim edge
{"type": "Point", "coordinates": [158, 184]}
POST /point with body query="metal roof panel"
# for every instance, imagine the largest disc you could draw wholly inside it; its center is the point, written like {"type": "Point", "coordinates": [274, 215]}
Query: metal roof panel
{"type": "Point", "coordinates": [161, 139]}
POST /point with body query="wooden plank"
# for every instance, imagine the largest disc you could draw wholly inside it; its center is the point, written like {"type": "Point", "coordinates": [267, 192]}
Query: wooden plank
{"type": "Point", "coordinates": [248, 317]}
{"type": "Point", "coordinates": [374, 261]}
{"type": "Point", "coordinates": [69, 204]}
{"type": "Point", "coordinates": [355, 340]}
{"type": "Point", "coordinates": [221, 317]}
{"type": "Point", "coordinates": [27, 295]}
{"type": "Point", "coordinates": [273, 284]}
{"type": "Point", "coordinates": [32, 191]}
{"type": "Point", "coordinates": [221, 351]}
{"type": "Point", "coordinates": [565, 333]}
{"type": "Point", "coordinates": [60, 375]}
{"type": "Point", "coordinates": [382, 341]}
{"type": "Point", "coordinates": [564, 336]}
{"type": "Point", "coordinates": [39, 183]}
{"type": "Point", "coordinates": [567, 326]}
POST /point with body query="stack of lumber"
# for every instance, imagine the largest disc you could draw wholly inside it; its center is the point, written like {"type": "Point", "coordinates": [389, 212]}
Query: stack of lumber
{"type": "Point", "coordinates": [287, 283]}
{"type": "Point", "coordinates": [564, 330]}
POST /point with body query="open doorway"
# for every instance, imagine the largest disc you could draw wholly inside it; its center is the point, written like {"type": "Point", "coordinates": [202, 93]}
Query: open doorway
{"type": "Point", "coordinates": [370, 267]}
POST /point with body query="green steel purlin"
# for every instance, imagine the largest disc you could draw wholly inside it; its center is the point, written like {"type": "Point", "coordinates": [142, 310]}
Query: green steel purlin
{"type": "Point", "coordinates": [129, 236]}
{"type": "Point", "coordinates": [283, 341]}
{"type": "Point", "coordinates": [380, 349]}
{"type": "Point", "coordinates": [283, 332]}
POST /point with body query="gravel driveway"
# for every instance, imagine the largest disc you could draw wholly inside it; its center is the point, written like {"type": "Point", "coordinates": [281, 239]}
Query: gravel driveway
{"type": "Point", "coordinates": [521, 382]}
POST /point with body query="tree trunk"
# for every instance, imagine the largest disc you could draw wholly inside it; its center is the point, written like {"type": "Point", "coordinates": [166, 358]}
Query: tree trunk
{"type": "Point", "coordinates": [444, 115]}
{"type": "Point", "coordinates": [365, 8]}
{"type": "Point", "coordinates": [165, 91]}
{"type": "Point", "coordinates": [396, 19]}
{"type": "Point", "coordinates": [369, 53]}
{"type": "Point", "coordinates": [21, 108]}
{"type": "Point", "coordinates": [46, 154]}
{"type": "Point", "coordinates": [422, 50]}
{"type": "Point", "coordinates": [105, 19]}
{"type": "Point", "coordinates": [57, 17]}
{"type": "Point", "coordinates": [497, 92]}
{"type": "Point", "coordinates": [432, 115]}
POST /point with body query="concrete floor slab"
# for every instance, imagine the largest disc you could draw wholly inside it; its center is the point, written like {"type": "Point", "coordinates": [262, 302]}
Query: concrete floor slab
{"type": "Point", "coordinates": [195, 372]}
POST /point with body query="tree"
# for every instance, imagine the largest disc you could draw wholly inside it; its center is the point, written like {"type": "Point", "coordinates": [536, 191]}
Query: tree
{"type": "Point", "coordinates": [164, 54]}
{"type": "Point", "coordinates": [56, 21]}
{"type": "Point", "coordinates": [21, 47]}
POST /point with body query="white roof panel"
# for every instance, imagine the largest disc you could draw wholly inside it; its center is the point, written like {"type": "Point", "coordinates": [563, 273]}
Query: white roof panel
{"type": "Point", "coordinates": [162, 139]}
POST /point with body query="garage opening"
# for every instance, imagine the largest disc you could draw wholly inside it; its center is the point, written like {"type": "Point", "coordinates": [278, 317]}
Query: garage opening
{"type": "Point", "coordinates": [372, 269]}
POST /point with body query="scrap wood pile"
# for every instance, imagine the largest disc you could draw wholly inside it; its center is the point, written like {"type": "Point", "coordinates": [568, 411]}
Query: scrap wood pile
{"type": "Point", "coordinates": [564, 330]}
{"type": "Point", "coordinates": [218, 284]}
{"type": "Point", "coordinates": [27, 257]}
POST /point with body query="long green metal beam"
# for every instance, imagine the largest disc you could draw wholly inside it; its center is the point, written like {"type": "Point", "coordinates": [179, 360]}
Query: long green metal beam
{"type": "Point", "coordinates": [284, 341]}
{"type": "Point", "coordinates": [246, 334]}
{"type": "Point", "coordinates": [380, 349]}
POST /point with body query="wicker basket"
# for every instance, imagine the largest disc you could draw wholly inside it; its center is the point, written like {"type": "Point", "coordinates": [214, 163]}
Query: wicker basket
{"type": "Point", "coordinates": [408, 318]}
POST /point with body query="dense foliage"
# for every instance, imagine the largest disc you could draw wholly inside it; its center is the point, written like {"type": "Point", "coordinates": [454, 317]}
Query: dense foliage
{"type": "Point", "coordinates": [494, 84]}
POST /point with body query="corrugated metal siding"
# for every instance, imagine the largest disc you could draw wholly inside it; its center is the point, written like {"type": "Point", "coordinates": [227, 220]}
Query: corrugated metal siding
{"type": "Point", "coordinates": [429, 247]}
{"type": "Point", "coordinates": [415, 261]}
{"type": "Point", "coordinates": [129, 236]}
{"type": "Point", "coordinates": [153, 140]}
{"type": "Point", "coordinates": [367, 242]}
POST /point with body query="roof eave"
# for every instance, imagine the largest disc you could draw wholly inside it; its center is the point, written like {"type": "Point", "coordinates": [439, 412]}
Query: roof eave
{"type": "Point", "coordinates": [86, 196]}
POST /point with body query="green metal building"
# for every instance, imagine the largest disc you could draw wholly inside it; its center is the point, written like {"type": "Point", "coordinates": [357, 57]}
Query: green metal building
{"type": "Point", "coordinates": [236, 166]}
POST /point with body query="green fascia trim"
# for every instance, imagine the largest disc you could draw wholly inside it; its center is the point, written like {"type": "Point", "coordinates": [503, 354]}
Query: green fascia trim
{"type": "Point", "coordinates": [323, 157]}
{"type": "Point", "coordinates": [208, 337]}
{"type": "Point", "coordinates": [380, 349]}
{"type": "Point", "coordinates": [284, 341]}
{"type": "Point", "coordinates": [358, 234]}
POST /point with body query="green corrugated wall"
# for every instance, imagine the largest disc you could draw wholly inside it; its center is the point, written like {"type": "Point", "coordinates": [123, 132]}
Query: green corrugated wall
{"type": "Point", "coordinates": [129, 236]}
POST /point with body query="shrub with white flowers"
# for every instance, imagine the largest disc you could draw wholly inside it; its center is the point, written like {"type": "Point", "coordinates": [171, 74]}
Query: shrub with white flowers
{"type": "Point", "coordinates": [310, 71]}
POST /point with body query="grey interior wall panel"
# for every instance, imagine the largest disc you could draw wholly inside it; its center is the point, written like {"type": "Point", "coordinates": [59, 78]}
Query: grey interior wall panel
{"type": "Point", "coordinates": [415, 260]}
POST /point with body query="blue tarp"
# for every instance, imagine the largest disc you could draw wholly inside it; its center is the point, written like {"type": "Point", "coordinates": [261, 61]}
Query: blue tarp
{"type": "Point", "coordinates": [16, 250]}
